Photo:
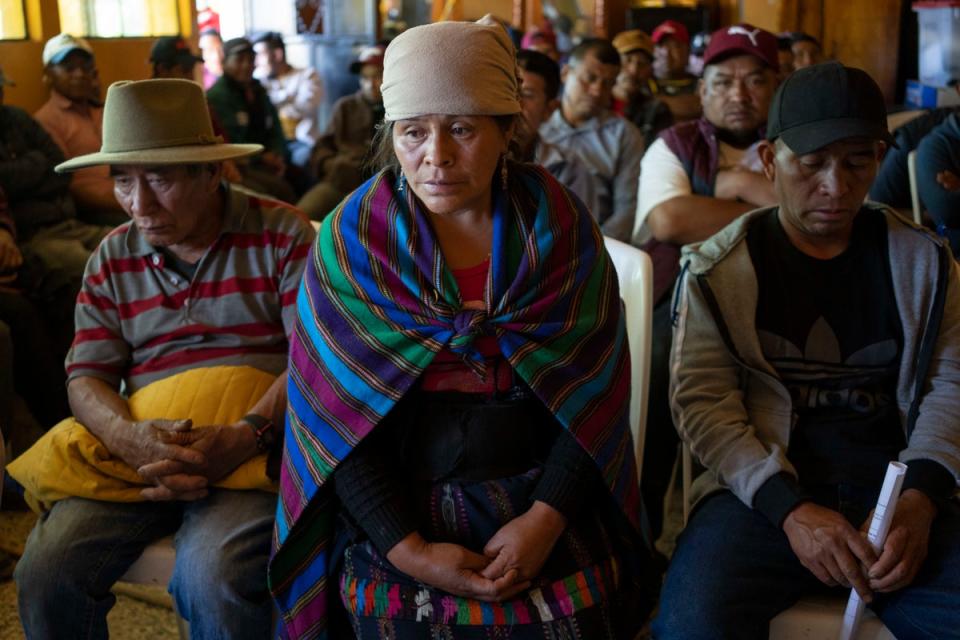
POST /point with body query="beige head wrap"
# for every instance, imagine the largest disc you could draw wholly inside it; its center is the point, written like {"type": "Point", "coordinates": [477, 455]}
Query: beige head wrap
{"type": "Point", "coordinates": [451, 68]}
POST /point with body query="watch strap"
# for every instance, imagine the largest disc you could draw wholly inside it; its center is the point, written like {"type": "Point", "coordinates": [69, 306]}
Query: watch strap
{"type": "Point", "coordinates": [263, 430]}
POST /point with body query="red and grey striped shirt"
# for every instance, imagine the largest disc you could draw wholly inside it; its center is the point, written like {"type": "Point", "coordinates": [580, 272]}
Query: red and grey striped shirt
{"type": "Point", "coordinates": [138, 320]}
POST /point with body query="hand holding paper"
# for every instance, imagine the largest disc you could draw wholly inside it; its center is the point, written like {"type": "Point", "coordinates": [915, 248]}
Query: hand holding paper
{"type": "Point", "coordinates": [879, 526]}
{"type": "Point", "coordinates": [905, 548]}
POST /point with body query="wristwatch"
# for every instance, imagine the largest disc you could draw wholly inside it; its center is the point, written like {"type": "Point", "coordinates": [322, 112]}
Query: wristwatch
{"type": "Point", "coordinates": [263, 430]}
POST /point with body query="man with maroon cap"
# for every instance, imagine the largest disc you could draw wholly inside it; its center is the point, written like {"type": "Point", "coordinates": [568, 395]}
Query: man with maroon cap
{"type": "Point", "coordinates": [676, 86]}
{"type": "Point", "coordinates": [542, 39]}
{"type": "Point", "coordinates": [694, 180]}
{"type": "Point", "coordinates": [815, 342]}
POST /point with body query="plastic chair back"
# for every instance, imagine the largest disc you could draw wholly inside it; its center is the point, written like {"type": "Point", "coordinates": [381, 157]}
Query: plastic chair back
{"type": "Point", "coordinates": [914, 194]}
{"type": "Point", "coordinates": [635, 275]}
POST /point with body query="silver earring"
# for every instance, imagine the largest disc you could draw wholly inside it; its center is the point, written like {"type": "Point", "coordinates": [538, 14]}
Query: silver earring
{"type": "Point", "coordinates": [503, 172]}
{"type": "Point", "coordinates": [402, 184]}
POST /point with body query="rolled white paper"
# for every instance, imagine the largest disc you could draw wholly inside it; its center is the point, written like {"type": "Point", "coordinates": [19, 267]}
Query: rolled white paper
{"type": "Point", "coordinates": [876, 536]}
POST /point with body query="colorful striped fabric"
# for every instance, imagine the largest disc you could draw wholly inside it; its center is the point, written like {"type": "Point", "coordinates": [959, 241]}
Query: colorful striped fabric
{"type": "Point", "coordinates": [553, 601]}
{"type": "Point", "coordinates": [376, 305]}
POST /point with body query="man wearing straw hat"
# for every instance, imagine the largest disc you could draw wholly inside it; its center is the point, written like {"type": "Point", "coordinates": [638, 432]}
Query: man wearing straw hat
{"type": "Point", "coordinates": [201, 281]}
{"type": "Point", "coordinates": [814, 342]}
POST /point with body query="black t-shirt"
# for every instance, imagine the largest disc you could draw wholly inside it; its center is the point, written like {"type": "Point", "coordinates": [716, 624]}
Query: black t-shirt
{"type": "Point", "coordinates": [831, 330]}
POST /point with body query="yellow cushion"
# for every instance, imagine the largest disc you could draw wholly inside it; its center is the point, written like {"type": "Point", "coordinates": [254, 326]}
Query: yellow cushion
{"type": "Point", "coordinates": [70, 461]}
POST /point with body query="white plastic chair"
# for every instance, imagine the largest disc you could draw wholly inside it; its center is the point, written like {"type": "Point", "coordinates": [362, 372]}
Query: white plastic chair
{"type": "Point", "coordinates": [635, 275]}
{"type": "Point", "coordinates": [154, 567]}
{"type": "Point", "coordinates": [914, 194]}
{"type": "Point", "coordinates": [812, 618]}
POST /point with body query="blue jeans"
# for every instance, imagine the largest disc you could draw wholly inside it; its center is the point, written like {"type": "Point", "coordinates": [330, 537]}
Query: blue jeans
{"type": "Point", "coordinates": [80, 548]}
{"type": "Point", "coordinates": [733, 571]}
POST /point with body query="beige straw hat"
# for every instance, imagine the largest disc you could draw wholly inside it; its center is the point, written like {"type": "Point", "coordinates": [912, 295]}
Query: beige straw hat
{"type": "Point", "coordinates": [153, 122]}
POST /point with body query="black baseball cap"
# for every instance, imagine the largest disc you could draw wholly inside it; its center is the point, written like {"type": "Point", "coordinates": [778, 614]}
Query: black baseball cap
{"type": "Point", "coordinates": [235, 46]}
{"type": "Point", "coordinates": [826, 102]}
{"type": "Point", "coordinates": [172, 50]}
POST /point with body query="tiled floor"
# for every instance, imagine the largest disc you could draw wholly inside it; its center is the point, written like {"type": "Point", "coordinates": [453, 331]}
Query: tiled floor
{"type": "Point", "coordinates": [132, 618]}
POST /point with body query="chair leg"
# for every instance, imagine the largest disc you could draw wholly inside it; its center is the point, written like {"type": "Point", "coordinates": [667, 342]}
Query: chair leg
{"type": "Point", "coordinates": [687, 479]}
{"type": "Point", "coordinates": [183, 627]}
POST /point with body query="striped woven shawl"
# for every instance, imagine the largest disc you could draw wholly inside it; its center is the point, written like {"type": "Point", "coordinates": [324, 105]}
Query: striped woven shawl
{"type": "Point", "coordinates": [378, 302]}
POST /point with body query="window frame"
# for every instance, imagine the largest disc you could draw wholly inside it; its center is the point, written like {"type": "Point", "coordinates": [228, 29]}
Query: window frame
{"type": "Point", "coordinates": [89, 18]}
{"type": "Point", "coordinates": [26, 26]}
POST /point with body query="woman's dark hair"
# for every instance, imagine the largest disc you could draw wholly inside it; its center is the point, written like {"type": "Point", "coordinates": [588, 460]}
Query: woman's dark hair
{"type": "Point", "coordinates": [272, 39]}
{"type": "Point", "coordinates": [800, 36]}
{"type": "Point", "coordinates": [382, 155]}
{"type": "Point", "coordinates": [600, 48]}
{"type": "Point", "coordinates": [543, 66]}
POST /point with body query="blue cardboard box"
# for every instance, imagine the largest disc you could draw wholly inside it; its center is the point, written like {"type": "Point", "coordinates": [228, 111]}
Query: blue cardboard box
{"type": "Point", "coordinates": [925, 96]}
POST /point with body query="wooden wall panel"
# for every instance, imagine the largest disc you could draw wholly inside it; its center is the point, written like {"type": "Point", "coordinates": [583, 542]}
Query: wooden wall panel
{"type": "Point", "coordinates": [766, 14]}
{"type": "Point", "coordinates": [476, 9]}
{"type": "Point", "coordinates": [865, 34]}
{"type": "Point", "coordinates": [117, 58]}
{"type": "Point", "coordinates": [859, 33]}
{"type": "Point", "coordinates": [726, 11]}
{"type": "Point", "coordinates": [609, 17]}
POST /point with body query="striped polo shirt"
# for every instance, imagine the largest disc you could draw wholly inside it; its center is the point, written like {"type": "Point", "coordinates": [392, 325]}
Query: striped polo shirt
{"type": "Point", "coordinates": [138, 320]}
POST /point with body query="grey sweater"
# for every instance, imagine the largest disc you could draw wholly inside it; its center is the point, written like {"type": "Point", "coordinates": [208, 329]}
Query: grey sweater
{"type": "Point", "coordinates": [730, 406]}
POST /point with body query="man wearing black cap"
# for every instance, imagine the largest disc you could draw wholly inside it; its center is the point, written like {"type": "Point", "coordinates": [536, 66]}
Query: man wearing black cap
{"type": "Point", "coordinates": [241, 107]}
{"type": "Point", "coordinates": [815, 341]}
{"type": "Point", "coordinates": [171, 57]}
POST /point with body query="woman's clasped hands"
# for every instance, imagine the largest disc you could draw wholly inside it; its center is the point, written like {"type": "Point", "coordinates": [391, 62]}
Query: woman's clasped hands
{"type": "Point", "coordinates": [512, 558]}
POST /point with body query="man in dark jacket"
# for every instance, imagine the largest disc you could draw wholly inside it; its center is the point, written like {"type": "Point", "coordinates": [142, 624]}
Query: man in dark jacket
{"type": "Point", "coordinates": [815, 342]}
{"type": "Point", "coordinates": [242, 108]}
{"type": "Point", "coordinates": [55, 243]}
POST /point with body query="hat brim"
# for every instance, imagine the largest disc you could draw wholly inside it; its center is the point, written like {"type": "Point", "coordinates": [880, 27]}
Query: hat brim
{"type": "Point", "coordinates": [660, 37]}
{"type": "Point", "coordinates": [61, 55]}
{"type": "Point", "coordinates": [725, 54]}
{"type": "Point", "coordinates": [357, 65]}
{"type": "Point", "coordinates": [239, 51]}
{"type": "Point", "coordinates": [807, 138]}
{"type": "Point", "coordinates": [629, 50]}
{"type": "Point", "coordinates": [188, 154]}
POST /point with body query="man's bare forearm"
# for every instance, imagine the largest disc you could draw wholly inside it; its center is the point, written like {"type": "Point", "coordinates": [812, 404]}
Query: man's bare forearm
{"type": "Point", "coordinates": [687, 219]}
{"type": "Point", "coordinates": [273, 404]}
{"type": "Point", "coordinates": [98, 407]}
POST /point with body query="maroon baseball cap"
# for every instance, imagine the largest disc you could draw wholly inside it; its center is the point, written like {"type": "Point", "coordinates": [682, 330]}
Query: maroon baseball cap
{"type": "Point", "coordinates": [742, 38]}
{"type": "Point", "coordinates": [670, 29]}
{"type": "Point", "coordinates": [539, 34]}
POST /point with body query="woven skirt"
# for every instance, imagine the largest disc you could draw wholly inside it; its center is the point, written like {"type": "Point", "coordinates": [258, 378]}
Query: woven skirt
{"type": "Point", "coordinates": [595, 585]}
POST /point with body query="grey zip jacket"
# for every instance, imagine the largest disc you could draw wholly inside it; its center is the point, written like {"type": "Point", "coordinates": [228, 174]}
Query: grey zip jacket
{"type": "Point", "coordinates": [730, 406]}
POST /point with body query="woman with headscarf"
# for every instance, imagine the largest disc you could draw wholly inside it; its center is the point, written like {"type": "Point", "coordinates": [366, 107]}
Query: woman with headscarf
{"type": "Point", "coordinates": [457, 460]}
